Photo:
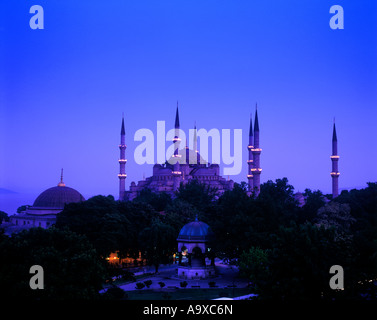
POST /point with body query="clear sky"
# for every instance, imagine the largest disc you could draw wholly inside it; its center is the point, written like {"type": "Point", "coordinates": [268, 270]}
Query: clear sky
{"type": "Point", "coordinates": [63, 89]}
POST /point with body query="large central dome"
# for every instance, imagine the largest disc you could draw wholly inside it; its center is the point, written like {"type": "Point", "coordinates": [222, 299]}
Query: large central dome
{"type": "Point", "coordinates": [57, 197]}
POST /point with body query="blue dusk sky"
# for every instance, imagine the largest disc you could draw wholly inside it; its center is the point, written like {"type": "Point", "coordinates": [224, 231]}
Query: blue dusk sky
{"type": "Point", "coordinates": [63, 89]}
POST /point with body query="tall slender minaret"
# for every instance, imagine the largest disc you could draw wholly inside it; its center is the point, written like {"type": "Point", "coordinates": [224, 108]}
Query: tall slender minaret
{"type": "Point", "coordinates": [250, 147]}
{"type": "Point", "coordinates": [256, 170]}
{"type": "Point", "coordinates": [334, 160]}
{"type": "Point", "coordinates": [177, 141]}
{"type": "Point", "coordinates": [196, 146]}
{"type": "Point", "coordinates": [122, 163]}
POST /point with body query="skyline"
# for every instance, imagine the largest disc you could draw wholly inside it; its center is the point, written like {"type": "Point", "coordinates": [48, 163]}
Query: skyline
{"type": "Point", "coordinates": [64, 88]}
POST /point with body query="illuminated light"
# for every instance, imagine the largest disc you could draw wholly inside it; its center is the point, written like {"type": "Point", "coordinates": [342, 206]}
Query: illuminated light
{"type": "Point", "coordinates": [256, 169]}
{"type": "Point", "coordinates": [250, 176]}
{"type": "Point", "coordinates": [176, 139]}
{"type": "Point", "coordinates": [250, 147]}
{"type": "Point", "coordinates": [176, 172]}
{"type": "Point", "coordinates": [122, 146]}
{"type": "Point", "coordinates": [334, 157]}
{"type": "Point", "coordinates": [122, 160]}
{"type": "Point", "coordinates": [249, 161]}
{"type": "Point", "coordinates": [176, 156]}
{"type": "Point", "coordinates": [335, 173]}
{"type": "Point", "coordinates": [122, 175]}
{"type": "Point", "coordinates": [256, 150]}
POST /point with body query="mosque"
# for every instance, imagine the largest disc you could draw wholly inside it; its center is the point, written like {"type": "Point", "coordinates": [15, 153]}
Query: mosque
{"type": "Point", "coordinates": [45, 208]}
{"type": "Point", "coordinates": [166, 177]}
{"type": "Point", "coordinates": [184, 166]}
{"type": "Point", "coordinates": [179, 170]}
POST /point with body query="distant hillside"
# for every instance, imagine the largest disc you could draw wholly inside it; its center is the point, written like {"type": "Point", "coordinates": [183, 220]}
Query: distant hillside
{"type": "Point", "coordinates": [6, 191]}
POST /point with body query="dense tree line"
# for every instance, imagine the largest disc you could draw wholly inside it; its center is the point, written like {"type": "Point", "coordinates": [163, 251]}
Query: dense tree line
{"type": "Point", "coordinates": [284, 249]}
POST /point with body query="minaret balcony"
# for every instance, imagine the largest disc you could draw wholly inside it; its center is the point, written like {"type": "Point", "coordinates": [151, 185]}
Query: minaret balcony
{"type": "Point", "coordinates": [256, 150]}
{"type": "Point", "coordinates": [250, 161]}
{"type": "Point", "coordinates": [122, 160]}
{"type": "Point", "coordinates": [334, 157]}
{"type": "Point", "coordinates": [250, 148]}
{"type": "Point", "coordinates": [122, 146]}
{"type": "Point", "coordinates": [122, 176]}
{"type": "Point", "coordinates": [249, 176]}
{"type": "Point", "coordinates": [335, 174]}
{"type": "Point", "coordinates": [256, 170]}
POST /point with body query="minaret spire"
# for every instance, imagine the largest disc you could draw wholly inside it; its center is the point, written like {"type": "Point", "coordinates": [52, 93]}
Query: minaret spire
{"type": "Point", "coordinates": [176, 118]}
{"type": "Point", "coordinates": [176, 166]}
{"type": "Point", "coordinates": [250, 147]}
{"type": "Point", "coordinates": [334, 160]}
{"type": "Point", "coordinates": [61, 183]}
{"type": "Point", "coordinates": [256, 170]}
{"type": "Point", "coordinates": [122, 162]}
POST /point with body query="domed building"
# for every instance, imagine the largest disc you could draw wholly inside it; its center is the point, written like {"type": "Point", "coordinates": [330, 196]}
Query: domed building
{"type": "Point", "coordinates": [183, 166]}
{"type": "Point", "coordinates": [193, 247]}
{"type": "Point", "coordinates": [45, 208]}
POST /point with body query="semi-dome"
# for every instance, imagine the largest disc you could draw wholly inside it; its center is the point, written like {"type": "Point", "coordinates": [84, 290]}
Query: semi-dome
{"type": "Point", "coordinates": [57, 197]}
{"type": "Point", "coordinates": [195, 231]}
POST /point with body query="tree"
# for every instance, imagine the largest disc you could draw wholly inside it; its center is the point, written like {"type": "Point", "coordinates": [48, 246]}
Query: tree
{"type": "Point", "coordinates": [299, 264]}
{"type": "Point", "coordinates": [22, 208]}
{"type": "Point", "coordinates": [159, 201]}
{"type": "Point", "coordinates": [71, 266]}
{"type": "Point", "coordinates": [158, 241]}
{"type": "Point", "coordinates": [254, 264]}
{"type": "Point", "coordinates": [3, 217]}
{"type": "Point", "coordinates": [314, 201]}
{"type": "Point", "coordinates": [200, 195]}
{"type": "Point", "coordinates": [100, 220]}
{"type": "Point", "coordinates": [336, 215]}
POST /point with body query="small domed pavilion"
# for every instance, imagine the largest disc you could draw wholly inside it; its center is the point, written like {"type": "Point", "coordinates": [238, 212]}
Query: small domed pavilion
{"type": "Point", "coordinates": [193, 247]}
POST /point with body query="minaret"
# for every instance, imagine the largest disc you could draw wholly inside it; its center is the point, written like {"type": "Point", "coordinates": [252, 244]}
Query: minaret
{"type": "Point", "coordinates": [187, 153]}
{"type": "Point", "coordinates": [176, 167]}
{"type": "Point", "coordinates": [256, 170]}
{"type": "Point", "coordinates": [250, 147]}
{"type": "Point", "coordinates": [122, 163]}
{"type": "Point", "coordinates": [196, 146]}
{"type": "Point", "coordinates": [334, 160]}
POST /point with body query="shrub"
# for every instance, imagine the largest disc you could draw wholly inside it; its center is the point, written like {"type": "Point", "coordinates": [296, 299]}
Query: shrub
{"type": "Point", "coordinates": [128, 276]}
{"type": "Point", "coordinates": [148, 283]}
{"type": "Point", "coordinates": [212, 284]}
{"type": "Point", "coordinates": [162, 284]}
{"type": "Point", "coordinates": [183, 284]}
{"type": "Point", "coordinates": [115, 293]}
{"type": "Point", "coordinates": [140, 285]}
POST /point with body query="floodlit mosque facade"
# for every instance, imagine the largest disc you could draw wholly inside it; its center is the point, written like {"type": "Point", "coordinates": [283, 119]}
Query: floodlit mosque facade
{"type": "Point", "coordinates": [186, 165]}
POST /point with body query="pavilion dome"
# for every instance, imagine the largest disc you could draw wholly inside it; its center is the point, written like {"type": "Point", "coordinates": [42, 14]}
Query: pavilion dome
{"type": "Point", "coordinates": [195, 231]}
{"type": "Point", "coordinates": [57, 197]}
